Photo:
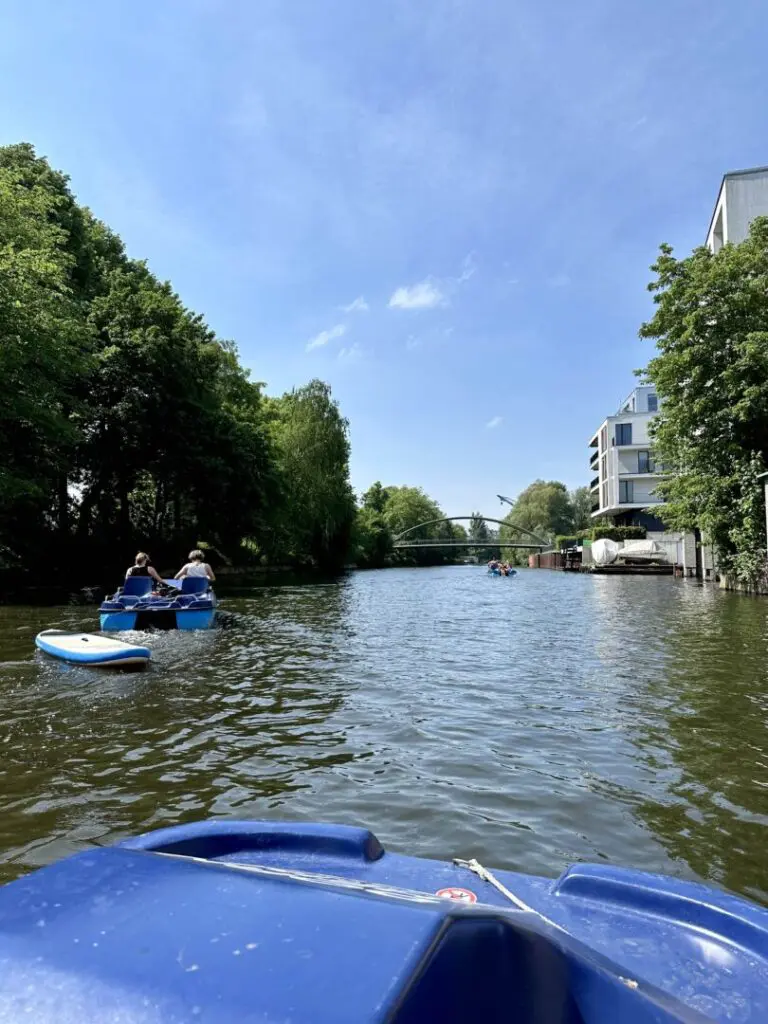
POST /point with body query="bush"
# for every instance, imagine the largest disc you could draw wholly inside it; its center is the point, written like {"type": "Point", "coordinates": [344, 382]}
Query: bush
{"type": "Point", "coordinates": [617, 533]}
{"type": "Point", "coordinates": [569, 541]}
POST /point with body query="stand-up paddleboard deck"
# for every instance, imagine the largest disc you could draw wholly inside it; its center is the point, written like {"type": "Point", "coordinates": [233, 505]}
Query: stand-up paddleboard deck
{"type": "Point", "coordinates": [91, 649]}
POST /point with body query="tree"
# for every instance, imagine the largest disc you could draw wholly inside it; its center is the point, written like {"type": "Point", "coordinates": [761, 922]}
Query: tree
{"type": "Point", "coordinates": [581, 509]}
{"type": "Point", "coordinates": [711, 375]}
{"type": "Point", "coordinates": [44, 346]}
{"type": "Point", "coordinates": [372, 539]}
{"type": "Point", "coordinates": [407, 507]}
{"type": "Point", "coordinates": [317, 511]}
{"type": "Point", "coordinates": [478, 531]}
{"type": "Point", "coordinates": [544, 508]}
{"type": "Point", "coordinates": [376, 497]}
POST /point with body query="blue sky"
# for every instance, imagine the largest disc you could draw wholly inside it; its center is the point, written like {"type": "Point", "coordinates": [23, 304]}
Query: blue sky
{"type": "Point", "coordinates": [446, 208]}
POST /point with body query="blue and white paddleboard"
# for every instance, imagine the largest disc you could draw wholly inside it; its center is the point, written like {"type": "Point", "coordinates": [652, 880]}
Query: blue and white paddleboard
{"type": "Point", "coordinates": [91, 649]}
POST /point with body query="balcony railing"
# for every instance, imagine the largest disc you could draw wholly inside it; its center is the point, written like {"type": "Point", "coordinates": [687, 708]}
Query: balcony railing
{"type": "Point", "coordinates": [595, 483]}
{"type": "Point", "coordinates": [593, 460]}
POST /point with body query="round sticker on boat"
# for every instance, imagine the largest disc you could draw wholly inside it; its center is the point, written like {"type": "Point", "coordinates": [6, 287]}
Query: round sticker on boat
{"type": "Point", "coordinates": [455, 893]}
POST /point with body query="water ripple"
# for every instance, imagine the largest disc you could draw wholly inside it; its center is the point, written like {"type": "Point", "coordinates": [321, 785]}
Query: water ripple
{"type": "Point", "coordinates": [530, 722]}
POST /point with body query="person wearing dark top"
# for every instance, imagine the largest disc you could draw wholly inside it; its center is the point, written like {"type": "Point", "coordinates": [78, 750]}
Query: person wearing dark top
{"type": "Point", "coordinates": [141, 567]}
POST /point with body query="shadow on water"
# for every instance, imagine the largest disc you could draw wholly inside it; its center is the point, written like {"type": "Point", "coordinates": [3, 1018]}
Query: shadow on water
{"type": "Point", "coordinates": [529, 722]}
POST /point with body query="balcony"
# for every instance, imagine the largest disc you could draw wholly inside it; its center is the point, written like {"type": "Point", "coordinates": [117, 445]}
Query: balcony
{"type": "Point", "coordinates": [595, 483]}
{"type": "Point", "coordinates": [594, 460]}
{"type": "Point", "coordinates": [595, 507]}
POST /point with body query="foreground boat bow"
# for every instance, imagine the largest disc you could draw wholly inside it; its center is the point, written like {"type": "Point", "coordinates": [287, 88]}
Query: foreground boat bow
{"type": "Point", "coordinates": [234, 921]}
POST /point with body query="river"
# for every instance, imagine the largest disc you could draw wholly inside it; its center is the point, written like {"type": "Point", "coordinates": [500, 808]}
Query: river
{"type": "Point", "coordinates": [529, 722]}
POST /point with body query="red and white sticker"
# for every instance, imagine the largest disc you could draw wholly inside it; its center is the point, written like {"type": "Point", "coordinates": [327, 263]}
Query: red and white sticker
{"type": "Point", "coordinates": [457, 894]}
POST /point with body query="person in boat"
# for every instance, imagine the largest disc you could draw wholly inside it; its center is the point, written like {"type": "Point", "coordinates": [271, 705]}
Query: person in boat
{"type": "Point", "coordinates": [196, 566]}
{"type": "Point", "coordinates": [142, 566]}
{"type": "Point", "coordinates": [493, 565]}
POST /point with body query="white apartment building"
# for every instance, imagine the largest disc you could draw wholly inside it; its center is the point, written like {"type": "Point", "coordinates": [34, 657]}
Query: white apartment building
{"type": "Point", "coordinates": [624, 476]}
{"type": "Point", "coordinates": [743, 196]}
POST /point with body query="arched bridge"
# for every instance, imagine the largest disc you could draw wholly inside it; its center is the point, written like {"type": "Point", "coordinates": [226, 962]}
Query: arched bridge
{"type": "Point", "coordinates": [536, 542]}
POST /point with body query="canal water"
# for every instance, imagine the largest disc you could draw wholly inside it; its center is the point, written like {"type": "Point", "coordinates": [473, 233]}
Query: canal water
{"type": "Point", "coordinates": [529, 722]}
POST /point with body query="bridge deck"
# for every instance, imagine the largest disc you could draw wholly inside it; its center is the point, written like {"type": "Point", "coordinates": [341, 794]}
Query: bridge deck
{"type": "Point", "coordinates": [490, 543]}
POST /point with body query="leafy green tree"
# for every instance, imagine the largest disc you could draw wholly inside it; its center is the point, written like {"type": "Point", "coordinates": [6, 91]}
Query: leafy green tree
{"type": "Point", "coordinates": [43, 348]}
{"type": "Point", "coordinates": [479, 531]}
{"type": "Point", "coordinates": [711, 374]}
{"type": "Point", "coordinates": [376, 497]}
{"type": "Point", "coordinates": [408, 507]}
{"type": "Point", "coordinates": [372, 539]}
{"type": "Point", "coordinates": [317, 511]}
{"type": "Point", "coordinates": [478, 528]}
{"type": "Point", "coordinates": [544, 507]}
{"type": "Point", "coordinates": [581, 509]}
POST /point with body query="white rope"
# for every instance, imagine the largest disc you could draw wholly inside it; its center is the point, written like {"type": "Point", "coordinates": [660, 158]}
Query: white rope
{"type": "Point", "coordinates": [335, 881]}
{"type": "Point", "coordinates": [487, 876]}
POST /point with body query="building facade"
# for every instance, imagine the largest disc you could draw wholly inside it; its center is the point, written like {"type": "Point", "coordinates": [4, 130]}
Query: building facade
{"type": "Point", "coordinates": [743, 196]}
{"type": "Point", "coordinates": [624, 475]}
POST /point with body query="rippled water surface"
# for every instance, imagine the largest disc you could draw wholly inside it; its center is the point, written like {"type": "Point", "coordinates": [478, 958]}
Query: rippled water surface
{"type": "Point", "coordinates": [529, 722]}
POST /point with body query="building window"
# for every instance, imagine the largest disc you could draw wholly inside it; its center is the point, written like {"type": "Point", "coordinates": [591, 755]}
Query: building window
{"type": "Point", "coordinates": [626, 492]}
{"type": "Point", "coordinates": [653, 403]}
{"type": "Point", "coordinates": [623, 433]}
{"type": "Point", "coordinates": [603, 439]}
{"type": "Point", "coordinates": [604, 496]}
{"type": "Point", "coordinates": [645, 463]}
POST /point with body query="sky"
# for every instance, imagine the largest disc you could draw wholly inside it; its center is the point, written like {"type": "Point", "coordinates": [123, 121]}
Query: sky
{"type": "Point", "coordinates": [445, 208]}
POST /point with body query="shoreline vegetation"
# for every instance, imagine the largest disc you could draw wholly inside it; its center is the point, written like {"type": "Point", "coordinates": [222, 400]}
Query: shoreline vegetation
{"type": "Point", "coordinates": [127, 425]}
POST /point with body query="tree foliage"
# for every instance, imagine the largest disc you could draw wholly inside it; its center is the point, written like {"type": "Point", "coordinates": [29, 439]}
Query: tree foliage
{"type": "Point", "coordinates": [126, 421]}
{"type": "Point", "coordinates": [387, 512]}
{"type": "Point", "coordinates": [317, 506]}
{"type": "Point", "coordinates": [711, 374]}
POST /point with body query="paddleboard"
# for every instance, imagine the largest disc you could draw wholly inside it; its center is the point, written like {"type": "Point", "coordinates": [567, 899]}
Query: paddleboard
{"type": "Point", "coordinates": [91, 649]}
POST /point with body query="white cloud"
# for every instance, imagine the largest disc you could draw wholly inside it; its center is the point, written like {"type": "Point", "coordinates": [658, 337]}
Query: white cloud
{"type": "Point", "coordinates": [468, 268]}
{"type": "Point", "coordinates": [358, 306]}
{"type": "Point", "coordinates": [351, 354]}
{"type": "Point", "coordinates": [325, 336]}
{"type": "Point", "coordinates": [495, 422]}
{"type": "Point", "coordinates": [424, 295]}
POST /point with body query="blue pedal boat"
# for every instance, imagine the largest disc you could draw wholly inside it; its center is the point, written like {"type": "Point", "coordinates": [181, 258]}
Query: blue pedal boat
{"type": "Point", "coordinates": [316, 924]}
{"type": "Point", "coordinates": [193, 606]}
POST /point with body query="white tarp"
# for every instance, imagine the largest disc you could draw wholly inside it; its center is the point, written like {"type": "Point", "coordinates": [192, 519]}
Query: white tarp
{"type": "Point", "coordinates": [642, 551]}
{"type": "Point", "coordinates": [604, 551]}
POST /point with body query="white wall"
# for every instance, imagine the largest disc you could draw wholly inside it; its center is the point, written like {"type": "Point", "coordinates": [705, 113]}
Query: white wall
{"type": "Point", "coordinates": [639, 423]}
{"type": "Point", "coordinates": [643, 490]}
{"type": "Point", "coordinates": [746, 197]}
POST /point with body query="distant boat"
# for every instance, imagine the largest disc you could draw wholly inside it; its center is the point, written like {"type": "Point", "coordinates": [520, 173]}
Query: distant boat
{"type": "Point", "coordinates": [191, 606]}
{"type": "Point", "coordinates": [498, 572]}
{"type": "Point", "coordinates": [91, 649]}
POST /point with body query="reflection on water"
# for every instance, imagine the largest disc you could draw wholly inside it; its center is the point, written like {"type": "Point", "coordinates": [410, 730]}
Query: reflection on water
{"type": "Point", "coordinates": [530, 722]}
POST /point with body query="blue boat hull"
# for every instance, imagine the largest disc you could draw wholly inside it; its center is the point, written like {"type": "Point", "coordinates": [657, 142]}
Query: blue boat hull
{"type": "Point", "coordinates": [229, 921]}
{"type": "Point", "coordinates": [176, 609]}
{"type": "Point", "coordinates": [123, 620]}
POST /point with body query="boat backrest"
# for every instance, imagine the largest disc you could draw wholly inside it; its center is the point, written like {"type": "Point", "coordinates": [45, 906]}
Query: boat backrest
{"type": "Point", "coordinates": [194, 584]}
{"type": "Point", "coordinates": [137, 586]}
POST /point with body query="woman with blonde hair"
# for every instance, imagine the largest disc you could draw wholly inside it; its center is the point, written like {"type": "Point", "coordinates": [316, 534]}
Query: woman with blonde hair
{"type": "Point", "coordinates": [143, 567]}
{"type": "Point", "coordinates": [196, 566]}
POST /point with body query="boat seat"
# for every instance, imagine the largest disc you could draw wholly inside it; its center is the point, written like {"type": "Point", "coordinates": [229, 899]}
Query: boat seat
{"type": "Point", "coordinates": [137, 586]}
{"type": "Point", "coordinates": [194, 584]}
